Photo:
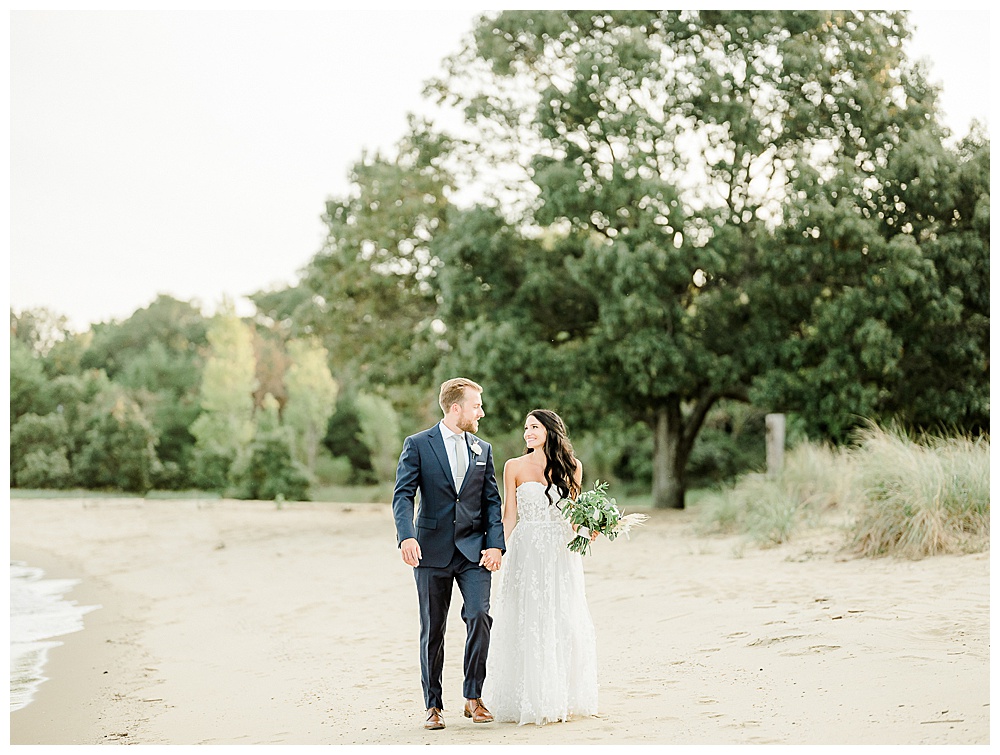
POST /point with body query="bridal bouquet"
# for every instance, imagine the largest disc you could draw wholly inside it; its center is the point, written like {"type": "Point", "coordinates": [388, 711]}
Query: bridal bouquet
{"type": "Point", "coordinates": [596, 512]}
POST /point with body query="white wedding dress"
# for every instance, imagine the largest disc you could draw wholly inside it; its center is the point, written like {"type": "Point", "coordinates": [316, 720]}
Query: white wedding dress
{"type": "Point", "coordinates": [542, 664]}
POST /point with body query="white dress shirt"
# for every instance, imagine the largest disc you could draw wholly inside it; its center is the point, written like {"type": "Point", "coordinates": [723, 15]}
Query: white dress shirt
{"type": "Point", "coordinates": [450, 446]}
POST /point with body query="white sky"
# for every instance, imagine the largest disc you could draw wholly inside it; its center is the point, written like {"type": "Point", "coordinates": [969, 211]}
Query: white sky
{"type": "Point", "coordinates": [191, 153]}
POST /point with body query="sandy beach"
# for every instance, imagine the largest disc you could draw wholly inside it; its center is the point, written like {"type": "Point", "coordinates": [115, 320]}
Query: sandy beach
{"type": "Point", "coordinates": [233, 622]}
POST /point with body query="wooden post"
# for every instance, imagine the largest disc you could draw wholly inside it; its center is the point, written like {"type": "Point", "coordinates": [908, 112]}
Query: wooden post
{"type": "Point", "coordinates": [775, 440]}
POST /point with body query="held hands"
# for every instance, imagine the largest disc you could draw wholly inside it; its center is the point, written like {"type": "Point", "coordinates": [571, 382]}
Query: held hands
{"type": "Point", "coordinates": [491, 559]}
{"type": "Point", "coordinates": [410, 550]}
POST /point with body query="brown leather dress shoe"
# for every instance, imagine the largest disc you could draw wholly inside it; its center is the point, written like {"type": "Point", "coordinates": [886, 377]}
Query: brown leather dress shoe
{"type": "Point", "coordinates": [434, 719]}
{"type": "Point", "coordinates": [475, 710]}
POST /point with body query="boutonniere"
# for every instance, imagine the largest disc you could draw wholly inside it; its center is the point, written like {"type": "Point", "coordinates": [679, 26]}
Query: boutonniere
{"type": "Point", "coordinates": [476, 448]}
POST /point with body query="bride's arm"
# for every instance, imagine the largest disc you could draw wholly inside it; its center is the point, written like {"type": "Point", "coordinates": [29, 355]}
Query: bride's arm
{"type": "Point", "coordinates": [509, 498]}
{"type": "Point", "coordinates": [578, 477]}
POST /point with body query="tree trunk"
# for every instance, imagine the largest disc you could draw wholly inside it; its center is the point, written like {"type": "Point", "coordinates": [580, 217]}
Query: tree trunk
{"type": "Point", "coordinates": [669, 458]}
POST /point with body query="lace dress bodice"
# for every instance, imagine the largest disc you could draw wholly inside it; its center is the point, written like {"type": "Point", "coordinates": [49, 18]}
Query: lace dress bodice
{"type": "Point", "coordinates": [533, 506]}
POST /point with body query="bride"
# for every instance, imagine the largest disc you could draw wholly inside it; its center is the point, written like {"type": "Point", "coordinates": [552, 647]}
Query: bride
{"type": "Point", "coordinates": [542, 665]}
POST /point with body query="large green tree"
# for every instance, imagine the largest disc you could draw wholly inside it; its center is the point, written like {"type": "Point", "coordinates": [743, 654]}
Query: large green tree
{"type": "Point", "coordinates": [118, 449]}
{"type": "Point", "coordinates": [225, 427]}
{"type": "Point", "coordinates": [28, 383]}
{"type": "Point", "coordinates": [941, 199]}
{"type": "Point", "coordinates": [39, 456]}
{"type": "Point", "coordinates": [516, 319]}
{"type": "Point", "coordinates": [158, 353]}
{"type": "Point", "coordinates": [372, 286]}
{"type": "Point", "coordinates": [177, 326]}
{"type": "Point", "coordinates": [665, 148]}
{"type": "Point", "coordinates": [890, 318]}
{"type": "Point", "coordinates": [312, 398]}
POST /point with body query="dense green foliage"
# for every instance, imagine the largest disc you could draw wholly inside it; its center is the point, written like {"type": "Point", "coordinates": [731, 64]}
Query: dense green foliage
{"type": "Point", "coordinates": [265, 468]}
{"type": "Point", "coordinates": [225, 425]}
{"type": "Point", "coordinates": [312, 393]}
{"type": "Point", "coordinates": [170, 399]}
{"type": "Point", "coordinates": [118, 445]}
{"type": "Point", "coordinates": [744, 205]}
{"type": "Point", "coordinates": [43, 458]}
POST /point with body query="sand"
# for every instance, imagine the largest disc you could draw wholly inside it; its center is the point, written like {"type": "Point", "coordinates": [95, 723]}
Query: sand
{"type": "Point", "coordinates": [231, 622]}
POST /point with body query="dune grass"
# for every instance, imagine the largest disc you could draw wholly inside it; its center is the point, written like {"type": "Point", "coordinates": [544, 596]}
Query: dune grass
{"type": "Point", "coordinates": [893, 494]}
{"type": "Point", "coordinates": [921, 497]}
{"type": "Point", "coordinates": [816, 479]}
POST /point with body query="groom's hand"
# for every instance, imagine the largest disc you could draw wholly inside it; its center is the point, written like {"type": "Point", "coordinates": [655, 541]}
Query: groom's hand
{"type": "Point", "coordinates": [491, 558]}
{"type": "Point", "coordinates": [410, 549]}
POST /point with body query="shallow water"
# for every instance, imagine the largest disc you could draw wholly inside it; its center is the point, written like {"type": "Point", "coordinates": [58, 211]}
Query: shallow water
{"type": "Point", "coordinates": [38, 613]}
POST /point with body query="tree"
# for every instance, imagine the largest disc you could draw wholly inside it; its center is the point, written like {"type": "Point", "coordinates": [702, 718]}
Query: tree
{"type": "Point", "coordinates": [28, 383]}
{"type": "Point", "coordinates": [38, 452]}
{"type": "Point", "coordinates": [66, 355]}
{"type": "Point", "coordinates": [72, 395]}
{"type": "Point", "coordinates": [943, 380]}
{"type": "Point", "coordinates": [157, 353]}
{"type": "Point", "coordinates": [344, 438]}
{"type": "Point", "coordinates": [372, 287]}
{"type": "Point", "coordinates": [225, 425]}
{"type": "Point", "coordinates": [890, 319]}
{"type": "Point", "coordinates": [179, 326]}
{"type": "Point", "coordinates": [312, 397]}
{"type": "Point", "coordinates": [266, 469]}
{"type": "Point", "coordinates": [380, 433]}
{"type": "Point", "coordinates": [665, 147]}
{"type": "Point", "coordinates": [272, 366]}
{"type": "Point", "coordinates": [119, 445]}
{"type": "Point", "coordinates": [515, 318]}
{"type": "Point", "coordinates": [40, 329]}
{"type": "Point", "coordinates": [166, 384]}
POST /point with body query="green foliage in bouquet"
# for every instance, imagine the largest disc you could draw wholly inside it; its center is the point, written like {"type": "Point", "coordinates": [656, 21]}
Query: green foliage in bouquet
{"type": "Point", "coordinates": [599, 513]}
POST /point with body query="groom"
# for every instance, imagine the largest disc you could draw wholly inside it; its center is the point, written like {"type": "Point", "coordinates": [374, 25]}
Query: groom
{"type": "Point", "coordinates": [458, 537]}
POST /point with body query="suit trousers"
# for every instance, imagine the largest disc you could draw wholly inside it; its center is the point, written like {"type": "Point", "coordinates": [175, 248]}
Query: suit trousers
{"type": "Point", "coordinates": [434, 590]}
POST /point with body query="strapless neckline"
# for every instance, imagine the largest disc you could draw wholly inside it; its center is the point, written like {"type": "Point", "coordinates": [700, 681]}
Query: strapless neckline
{"type": "Point", "coordinates": [530, 482]}
{"type": "Point", "coordinates": [537, 501]}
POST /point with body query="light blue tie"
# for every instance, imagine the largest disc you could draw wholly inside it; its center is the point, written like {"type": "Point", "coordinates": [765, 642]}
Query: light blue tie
{"type": "Point", "coordinates": [461, 460]}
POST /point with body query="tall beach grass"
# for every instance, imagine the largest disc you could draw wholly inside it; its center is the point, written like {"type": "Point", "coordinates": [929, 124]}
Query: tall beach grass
{"type": "Point", "coordinates": [890, 493]}
{"type": "Point", "coordinates": [921, 496]}
{"type": "Point", "coordinates": [815, 481]}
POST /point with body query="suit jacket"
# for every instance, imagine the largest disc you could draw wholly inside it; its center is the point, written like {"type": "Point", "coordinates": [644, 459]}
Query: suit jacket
{"type": "Point", "coordinates": [469, 519]}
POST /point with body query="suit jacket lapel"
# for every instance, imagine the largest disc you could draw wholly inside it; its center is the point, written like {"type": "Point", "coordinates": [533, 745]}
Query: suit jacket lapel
{"type": "Point", "coordinates": [469, 440]}
{"type": "Point", "coordinates": [437, 445]}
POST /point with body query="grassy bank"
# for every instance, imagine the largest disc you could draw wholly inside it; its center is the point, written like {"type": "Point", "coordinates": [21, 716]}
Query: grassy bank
{"type": "Point", "coordinates": [892, 494]}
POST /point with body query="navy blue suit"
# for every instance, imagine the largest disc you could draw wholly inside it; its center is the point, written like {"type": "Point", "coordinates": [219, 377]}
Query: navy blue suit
{"type": "Point", "coordinates": [453, 527]}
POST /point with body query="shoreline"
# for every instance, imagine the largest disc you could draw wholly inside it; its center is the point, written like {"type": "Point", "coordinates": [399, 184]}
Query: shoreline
{"type": "Point", "coordinates": [80, 672]}
{"type": "Point", "coordinates": [234, 622]}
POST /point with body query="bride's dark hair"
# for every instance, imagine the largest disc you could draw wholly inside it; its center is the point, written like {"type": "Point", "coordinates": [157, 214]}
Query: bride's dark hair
{"type": "Point", "coordinates": [560, 463]}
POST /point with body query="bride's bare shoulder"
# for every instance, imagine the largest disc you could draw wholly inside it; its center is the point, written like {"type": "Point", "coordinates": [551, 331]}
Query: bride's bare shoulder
{"type": "Point", "coordinates": [516, 463]}
{"type": "Point", "coordinates": [516, 467]}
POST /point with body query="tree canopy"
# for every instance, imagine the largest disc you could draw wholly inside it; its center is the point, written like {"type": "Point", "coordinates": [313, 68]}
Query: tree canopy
{"type": "Point", "coordinates": [728, 191]}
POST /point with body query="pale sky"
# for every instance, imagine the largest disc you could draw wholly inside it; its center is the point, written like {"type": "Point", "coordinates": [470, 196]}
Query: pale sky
{"type": "Point", "coordinates": [191, 153]}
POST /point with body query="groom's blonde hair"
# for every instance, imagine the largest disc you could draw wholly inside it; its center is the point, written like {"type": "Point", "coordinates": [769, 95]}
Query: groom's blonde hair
{"type": "Point", "coordinates": [453, 392]}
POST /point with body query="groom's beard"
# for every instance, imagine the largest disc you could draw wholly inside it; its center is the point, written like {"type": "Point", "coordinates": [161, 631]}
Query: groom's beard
{"type": "Point", "coordinates": [468, 425]}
